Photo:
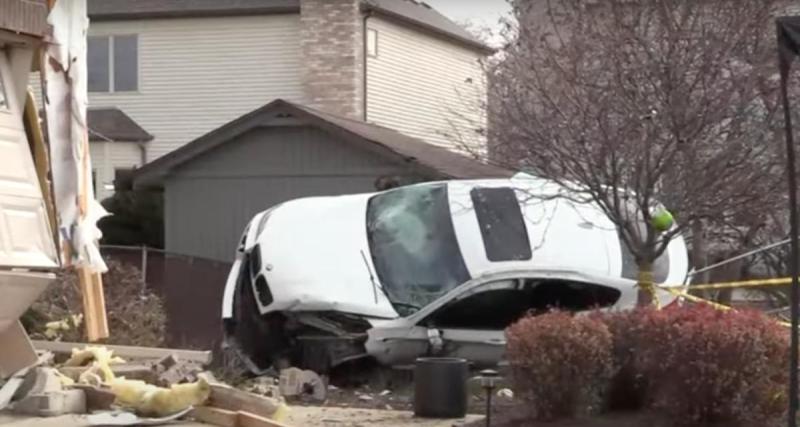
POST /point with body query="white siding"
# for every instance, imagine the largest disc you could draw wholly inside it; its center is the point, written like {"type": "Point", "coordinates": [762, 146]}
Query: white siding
{"type": "Point", "coordinates": [418, 84]}
{"type": "Point", "coordinates": [109, 156]}
{"type": "Point", "coordinates": [200, 73]}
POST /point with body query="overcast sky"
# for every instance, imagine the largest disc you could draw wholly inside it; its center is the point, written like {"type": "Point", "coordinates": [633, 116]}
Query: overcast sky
{"type": "Point", "coordinates": [481, 13]}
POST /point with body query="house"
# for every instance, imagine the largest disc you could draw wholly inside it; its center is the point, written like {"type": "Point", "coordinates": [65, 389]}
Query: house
{"type": "Point", "coordinates": [178, 69]}
{"type": "Point", "coordinates": [214, 185]}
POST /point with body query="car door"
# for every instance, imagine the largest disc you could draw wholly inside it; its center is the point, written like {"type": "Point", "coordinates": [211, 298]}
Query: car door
{"type": "Point", "coordinates": [25, 238]}
{"type": "Point", "coordinates": [468, 322]}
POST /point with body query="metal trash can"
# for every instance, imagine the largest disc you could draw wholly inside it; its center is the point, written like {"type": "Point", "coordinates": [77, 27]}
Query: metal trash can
{"type": "Point", "coordinates": [440, 387]}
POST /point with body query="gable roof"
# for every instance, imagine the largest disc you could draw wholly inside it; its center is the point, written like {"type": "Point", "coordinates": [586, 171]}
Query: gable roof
{"type": "Point", "coordinates": [412, 12]}
{"type": "Point", "coordinates": [440, 162]}
{"type": "Point", "coordinates": [113, 125]}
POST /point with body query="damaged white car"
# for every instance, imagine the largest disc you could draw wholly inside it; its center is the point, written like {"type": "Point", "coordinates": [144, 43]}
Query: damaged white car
{"type": "Point", "coordinates": [430, 269]}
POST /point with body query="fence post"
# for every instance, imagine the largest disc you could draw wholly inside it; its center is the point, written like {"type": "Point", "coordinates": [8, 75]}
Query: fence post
{"type": "Point", "coordinates": [144, 268]}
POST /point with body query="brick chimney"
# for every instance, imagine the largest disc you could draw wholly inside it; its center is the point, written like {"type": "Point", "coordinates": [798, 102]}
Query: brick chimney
{"type": "Point", "coordinates": [331, 41]}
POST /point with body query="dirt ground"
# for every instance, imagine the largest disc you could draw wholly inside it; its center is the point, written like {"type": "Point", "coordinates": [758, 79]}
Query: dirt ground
{"type": "Point", "coordinates": [349, 417]}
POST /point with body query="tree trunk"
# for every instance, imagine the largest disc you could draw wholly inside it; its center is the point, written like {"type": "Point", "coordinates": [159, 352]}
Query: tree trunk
{"type": "Point", "coordinates": [646, 285]}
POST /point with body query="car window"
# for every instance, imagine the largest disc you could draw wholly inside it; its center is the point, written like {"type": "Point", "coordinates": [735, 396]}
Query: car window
{"type": "Point", "coordinates": [413, 245]}
{"type": "Point", "coordinates": [505, 236]}
{"type": "Point", "coordinates": [496, 309]}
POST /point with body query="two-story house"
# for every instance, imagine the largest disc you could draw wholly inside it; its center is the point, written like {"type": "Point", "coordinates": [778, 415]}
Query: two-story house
{"type": "Point", "coordinates": [164, 72]}
{"type": "Point", "coordinates": [233, 106]}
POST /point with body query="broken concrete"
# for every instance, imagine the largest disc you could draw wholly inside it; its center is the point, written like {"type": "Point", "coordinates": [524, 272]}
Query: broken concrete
{"type": "Point", "coordinates": [297, 382]}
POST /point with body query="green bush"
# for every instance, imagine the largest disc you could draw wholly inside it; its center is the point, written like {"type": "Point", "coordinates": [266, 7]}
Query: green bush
{"type": "Point", "coordinates": [560, 363]}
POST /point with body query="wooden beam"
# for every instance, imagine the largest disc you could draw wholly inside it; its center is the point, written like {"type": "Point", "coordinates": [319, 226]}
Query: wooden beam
{"type": "Point", "coordinates": [247, 419]}
{"type": "Point", "coordinates": [94, 304]}
{"type": "Point", "coordinates": [233, 399]}
{"type": "Point", "coordinates": [215, 416]}
{"type": "Point", "coordinates": [128, 352]}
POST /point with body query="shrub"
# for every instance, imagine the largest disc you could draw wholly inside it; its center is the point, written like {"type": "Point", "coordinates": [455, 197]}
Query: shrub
{"type": "Point", "coordinates": [629, 387]}
{"type": "Point", "coordinates": [560, 363]}
{"type": "Point", "coordinates": [708, 366]}
{"type": "Point", "coordinates": [135, 316]}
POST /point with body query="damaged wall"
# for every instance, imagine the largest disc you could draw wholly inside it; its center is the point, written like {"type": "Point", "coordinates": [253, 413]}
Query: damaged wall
{"type": "Point", "coordinates": [209, 200]}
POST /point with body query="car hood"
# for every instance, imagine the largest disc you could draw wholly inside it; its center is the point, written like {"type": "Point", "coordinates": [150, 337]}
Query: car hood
{"type": "Point", "coordinates": [315, 257]}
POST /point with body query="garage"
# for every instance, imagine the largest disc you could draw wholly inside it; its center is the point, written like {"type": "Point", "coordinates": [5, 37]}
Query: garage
{"type": "Point", "coordinates": [282, 151]}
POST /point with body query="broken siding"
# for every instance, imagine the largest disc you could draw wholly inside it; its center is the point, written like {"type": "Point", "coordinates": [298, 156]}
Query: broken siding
{"type": "Point", "coordinates": [209, 201]}
{"type": "Point", "coordinates": [197, 74]}
{"type": "Point", "coordinates": [418, 84]}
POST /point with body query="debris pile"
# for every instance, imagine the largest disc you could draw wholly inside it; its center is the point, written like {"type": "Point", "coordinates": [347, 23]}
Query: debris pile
{"type": "Point", "coordinates": [135, 314]}
{"type": "Point", "coordinates": [119, 385]}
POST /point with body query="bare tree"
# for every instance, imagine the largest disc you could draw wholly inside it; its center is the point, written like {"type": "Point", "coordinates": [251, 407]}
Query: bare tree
{"type": "Point", "coordinates": [642, 106]}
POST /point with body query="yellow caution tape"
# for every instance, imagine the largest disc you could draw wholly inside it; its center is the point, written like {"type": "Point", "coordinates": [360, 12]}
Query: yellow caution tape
{"type": "Point", "coordinates": [781, 281]}
{"type": "Point", "coordinates": [718, 306]}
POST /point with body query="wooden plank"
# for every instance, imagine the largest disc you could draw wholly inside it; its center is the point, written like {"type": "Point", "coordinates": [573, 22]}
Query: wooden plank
{"type": "Point", "coordinates": [129, 352]}
{"type": "Point", "coordinates": [233, 399]}
{"type": "Point", "coordinates": [215, 416]}
{"type": "Point", "coordinates": [41, 160]}
{"type": "Point", "coordinates": [17, 352]}
{"type": "Point", "coordinates": [94, 305]}
{"type": "Point", "coordinates": [247, 419]}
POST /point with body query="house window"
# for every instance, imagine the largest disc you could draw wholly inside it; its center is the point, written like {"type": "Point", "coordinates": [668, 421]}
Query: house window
{"type": "Point", "coordinates": [113, 63]}
{"type": "Point", "coordinates": [372, 43]}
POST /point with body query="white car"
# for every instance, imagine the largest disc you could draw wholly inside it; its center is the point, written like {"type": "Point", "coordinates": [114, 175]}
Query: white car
{"type": "Point", "coordinates": [438, 268]}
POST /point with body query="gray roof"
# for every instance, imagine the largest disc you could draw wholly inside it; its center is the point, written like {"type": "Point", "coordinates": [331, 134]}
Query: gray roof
{"type": "Point", "coordinates": [411, 12]}
{"type": "Point", "coordinates": [423, 15]}
{"type": "Point", "coordinates": [111, 124]}
{"type": "Point", "coordinates": [439, 162]}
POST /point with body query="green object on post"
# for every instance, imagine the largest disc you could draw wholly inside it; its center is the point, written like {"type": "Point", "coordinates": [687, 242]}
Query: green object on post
{"type": "Point", "coordinates": [662, 220]}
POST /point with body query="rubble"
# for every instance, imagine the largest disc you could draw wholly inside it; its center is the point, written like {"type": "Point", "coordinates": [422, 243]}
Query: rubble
{"type": "Point", "coordinates": [93, 379]}
{"type": "Point", "coordinates": [296, 382]}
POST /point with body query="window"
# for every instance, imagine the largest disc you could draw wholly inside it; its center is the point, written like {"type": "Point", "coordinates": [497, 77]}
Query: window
{"type": "Point", "coordinates": [505, 236]}
{"type": "Point", "coordinates": [535, 296]}
{"type": "Point", "coordinates": [113, 63]}
{"type": "Point", "coordinates": [372, 43]}
{"type": "Point", "coordinates": [413, 245]}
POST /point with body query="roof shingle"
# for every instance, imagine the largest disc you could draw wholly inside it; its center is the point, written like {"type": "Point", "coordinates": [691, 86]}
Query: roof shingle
{"type": "Point", "coordinates": [111, 124]}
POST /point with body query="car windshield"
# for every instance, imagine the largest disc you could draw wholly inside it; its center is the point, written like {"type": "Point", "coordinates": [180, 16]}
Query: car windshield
{"type": "Point", "coordinates": [413, 245]}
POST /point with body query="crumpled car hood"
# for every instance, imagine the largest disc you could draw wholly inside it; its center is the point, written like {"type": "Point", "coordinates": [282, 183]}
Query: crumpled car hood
{"type": "Point", "coordinates": [316, 257]}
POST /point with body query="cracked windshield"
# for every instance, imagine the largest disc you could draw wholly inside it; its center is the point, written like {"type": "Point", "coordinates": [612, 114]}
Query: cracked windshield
{"type": "Point", "coordinates": [413, 245]}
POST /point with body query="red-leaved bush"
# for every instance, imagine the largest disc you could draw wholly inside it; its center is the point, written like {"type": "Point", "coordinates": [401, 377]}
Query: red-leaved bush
{"type": "Point", "coordinates": [560, 363]}
{"type": "Point", "coordinates": [697, 365]}
{"type": "Point", "coordinates": [707, 366]}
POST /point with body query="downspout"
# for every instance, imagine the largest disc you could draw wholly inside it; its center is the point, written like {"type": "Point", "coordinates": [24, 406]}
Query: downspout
{"type": "Point", "coordinates": [365, 54]}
